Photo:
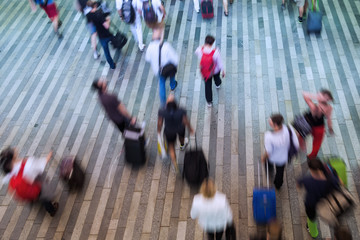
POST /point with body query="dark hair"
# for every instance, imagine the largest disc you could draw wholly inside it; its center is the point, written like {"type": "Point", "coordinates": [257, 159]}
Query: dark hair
{"type": "Point", "coordinates": [209, 40]}
{"type": "Point", "coordinates": [95, 86]}
{"type": "Point", "coordinates": [91, 4]}
{"type": "Point", "coordinates": [277, 119]}
{"type": "Point", "coordinates": [328, 93]}
{"type": "Point", "coordinates": [315, 164]}
{"type": "Point", "coordinates": [343, 233]}
{"type": "Point", "coordinates": [171, 106]}
{"type": "Point", "coordinates": [6, 157]}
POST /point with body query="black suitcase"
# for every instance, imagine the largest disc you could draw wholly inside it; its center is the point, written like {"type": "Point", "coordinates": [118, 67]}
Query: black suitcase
{"type": "Point", "coordinates": [195, 166]}
{"type": "Point", "coordinates": [71, 173]}
{"type": "Point", "coordinates": [134, 145]}
{"type": "Point", "coordinates": [118, 40]}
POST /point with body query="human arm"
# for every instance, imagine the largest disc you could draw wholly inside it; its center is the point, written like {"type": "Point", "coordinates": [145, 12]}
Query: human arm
{"type": "Point", "coordinates": [309, 97]}
{"type": "Point", "coordinates": [268, 147]}
{"type": "Point", "coordinates": [186, 122]}
{"type": "Point", "coordinates": [328, 120]}
{"type": "Point", "coordinates": [295, 139]}
{"type": "Point", "coordinates": [32, 5]}
{"type": "Point", "coordinates": [198, 52]}
{"type": "Point", "coordinates": [218, 61]}
{"type": "Point", "coordinates": [125, 113]}
{"type": "Point", "coordinates": [106, 24]}
{"type": "Point", "coordinates": [160, 123]}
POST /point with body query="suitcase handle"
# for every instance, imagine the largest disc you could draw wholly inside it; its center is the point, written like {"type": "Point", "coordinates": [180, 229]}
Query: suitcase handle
{"type": "Point", "coordinates": [267, 173]}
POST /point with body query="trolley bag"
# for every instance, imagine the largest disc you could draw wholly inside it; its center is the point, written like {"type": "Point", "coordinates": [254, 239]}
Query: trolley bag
{"type": "Point", "coordinates": [134, 145]}
{"type": "Point", "coordinates": [71, 173]}
{"type": "Point", "coordinates": [338, 164]}
{"type": "Point", "coordinates": [264, 201]}
{"type": "Point", "coordinates": [207, 9]}
{"type": "Point", "coordinates": [118, 40]}
{"type": "Point", "coordinates": [314, 20]}
{"type": "Point", "coordinates": [195, 166]}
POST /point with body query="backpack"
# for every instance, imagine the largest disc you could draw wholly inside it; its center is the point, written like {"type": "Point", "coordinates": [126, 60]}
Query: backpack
{"type": "Point", "coordinates": [23, 189]}
{"type": "Point", "coordinates": [292, 152]}
{"type": "Point", "coordinates": [128, 12]}
{"type": "Point", "coordinates": [207, 64]}
{"type": "Point", "coordinates": [149, 12]}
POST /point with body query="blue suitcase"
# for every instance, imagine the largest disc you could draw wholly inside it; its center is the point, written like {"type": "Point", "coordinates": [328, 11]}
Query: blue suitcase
{"type": "Point", "coordinates": [314, 20]}
{"type": "Point", "coordinates": [264, 202]}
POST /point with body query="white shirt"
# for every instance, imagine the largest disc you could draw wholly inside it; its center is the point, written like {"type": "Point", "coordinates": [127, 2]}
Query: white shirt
{"type": "Point", "coordinates": [156, 6]}
{"type": "Point", "coordinates": [119, 4]}
{"type": "Point", "coordinates": [213, 214]}
{"type": "Point", "coordinates": [216, 57]}
{"type": "Point", "coordinates": [277, 145]}
{"type": "Point", "coordinates": [168, 55]}
{"type": "Point", "coordinates": [33, 168]}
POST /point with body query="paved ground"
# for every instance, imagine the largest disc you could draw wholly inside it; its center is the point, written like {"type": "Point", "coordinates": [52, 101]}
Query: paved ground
{"type": "Point", "coordinates": [46, 103]}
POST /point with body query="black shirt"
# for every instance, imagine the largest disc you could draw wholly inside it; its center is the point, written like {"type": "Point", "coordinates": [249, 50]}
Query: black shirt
{"type": "Point", "coordinates": [313, 120]}
{"type": "Point", "coordinates": [110, 104]}
{"type": "Point", "coordinates": [98, 18]}
{"type": "Point", "coordinates": [173, 119]}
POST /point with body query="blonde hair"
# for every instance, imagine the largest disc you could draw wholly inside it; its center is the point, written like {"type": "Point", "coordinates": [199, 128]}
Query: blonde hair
{"type": "Point", "coordinates": [208, 188]}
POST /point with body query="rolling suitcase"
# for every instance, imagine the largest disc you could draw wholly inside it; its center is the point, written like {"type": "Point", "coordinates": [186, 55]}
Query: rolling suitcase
{"type": "Point", "coordinates": [135, 145]}
{"type": "Point", "coordinates": [207, 9]}
{"type": "Point", "coordinates": [264, 201]}
{"type": "Point", "coordinates": [339, 165]}
{"type": "Point", "coordinates": [195, 166]}
{"type": "Point", "coordinates": [314, 21]}
{"type": "Point", "coordinates": [71, 173]}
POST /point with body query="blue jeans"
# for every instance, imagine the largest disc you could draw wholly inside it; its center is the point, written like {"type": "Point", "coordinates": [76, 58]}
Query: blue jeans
{"type": "Point", "coordinates": [162, 89]}
{"type": "Point", "coordinates": [105, 45]}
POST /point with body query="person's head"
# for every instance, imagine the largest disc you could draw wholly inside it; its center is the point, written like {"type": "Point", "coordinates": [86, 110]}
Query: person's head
{"type": "Point", "coordinates": [171, 104]}
{"type": "Point", "coordinates": [273, 230]}
{"type": "Point", "coordinates": [276, 121]}
{"type": "Point", "coordinates": [315, 165]}
{"type": "Point", "coordinates": [208, 188]}
{"type": "Point", "coordinates": [342, 233]}
{"type": "Point", "coordinates": [327, 95]}
{"type": "Point", "coordinates": [209, 40]}
{"type": "Point", "coordinates": [7, 156]}
{"type": "Point", "coordinates": [92, 4]}
{"type": "Point", "coordinates": [99, 85]}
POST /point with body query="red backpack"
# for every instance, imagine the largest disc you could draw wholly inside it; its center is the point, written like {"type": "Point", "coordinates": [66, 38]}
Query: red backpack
{"type": "Point", "coordinates": [207, 64]}
{"type": "Point", "coordinates": [23, 189]}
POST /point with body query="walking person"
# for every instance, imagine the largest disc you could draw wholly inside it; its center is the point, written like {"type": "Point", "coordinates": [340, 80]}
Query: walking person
{"type": "Point", "coordinates": [317, 185]}
{"type": "Point", "coordinates": [160, 55]}
{"type": "Point", "coordinates": [24, 177]}
{"type": "Point", "coordinates": [102, 24]}
{"type": "Point", "coordinates": [210, 66]}
{"type": "Point", "coordinates": [129, 12]}
{"type": "Point", "coordinates": [302, 5]}
{"type": "Point", "coordinates": [316, 117]}
{"type": "Point", "coordinates": [175, 120]}
{"type": "Point", "coordinates": [212, 210]}
{"type": "Point", "coordinates": [84, 9]}
{"type": "Point", "coordinates": [154, 14]}
{"type": "Point", "coordinates": [113, 107]}
{"type": "Point", "coordinates": [51, 11]}
{"type": "Point", "coordinates": [277, 144]}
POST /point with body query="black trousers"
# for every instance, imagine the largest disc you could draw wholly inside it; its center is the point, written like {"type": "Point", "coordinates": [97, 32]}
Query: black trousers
{"type": "Point", "coordinates": [279, 176]}
{"type": "Point", "coordinates": [217, 235]}
{"type": "Point", "coordinates": [208, 86]}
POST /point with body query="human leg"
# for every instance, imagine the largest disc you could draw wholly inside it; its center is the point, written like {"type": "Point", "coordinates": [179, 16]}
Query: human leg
{"type": "Point", "coordinates": [279, 176]}
{"type": "Point", "coordinates": [196, 5]}
{"type": "Point", "coordinates": [208, 90]}
{"type": "Point", "coordinates": [162, 91]}
{"type": "Point", "coordinates": [311, 221]}
{"type": "Point", "coordinates": [318, 133]}
{"type": "Point", "coordinates": [171, 139]}
{"type": "Point", "coordinates": [219, 235]}
{"type": "Point", "coordinates": [46, 199]}
{"type": "Point", "coordinates": [173, 83]}
{"type": "Point", "coordinates": [225, 4]}
{"type": "Point", "coordinates": [105, 45]}
{"type": "Point", "coordinates": [217, 80]}
{"type": "Point", "coordinates": [139, 33]}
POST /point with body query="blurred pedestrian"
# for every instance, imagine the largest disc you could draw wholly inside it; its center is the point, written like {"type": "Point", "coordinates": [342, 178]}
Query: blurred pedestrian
{"type": "Point", "coordinates": [212, 210]}
{"type": "Point", "coordinates": [317, 185]}
{"type": "Point", "coordinates": [84, 9]}
{"type": "Point", "coordinates": [283, 5]}
{"type": "Point", "coordinates": [153, 12]}
{"type": "Point", "coordinates": [51, 11]}
{"type": "Point", "coordinates": [114, 109]}
{"type": "Point", "coordinates": [129, 12]}
{"type": "Point", "coordinates": [277, 144]}
{"type": "Point", "coordinates": [316, 117]}
{"type": "Point", "coordinates": [102, 24]}
{"type": "Point", "coordinates": [342, 233]}
{"type": "Point", "coordinates": [175, 122]}
{"type": "Point", "coordinates": [226, 10]}
{"type": "Point", "coordinates": [168, 57]}
{"type": "Point", "coordinates": [302, 5]}
{"type": "Point", "coordinates": [210, 66]}
{"type": "Point", "coordinates": [25, 179]}
{"type": "Point", "coordinates": [273, 232]}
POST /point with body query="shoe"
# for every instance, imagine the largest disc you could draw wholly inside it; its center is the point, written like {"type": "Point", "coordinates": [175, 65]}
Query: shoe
{"type": "Point", "coordinates": [209, 104]}
{"type": "Point", "coordinates": [226, 14]}
{"type": "Point", "coordinates": [113, 67]}
{"type": "Point", "coordinates": [283, 6]}
{"type": "Point", "coordinates": [96, 55]}
{"type": "Point", "coordinates": [56, 206]}
{"type": "Point", "coordinates": [218, 86]}
{"type": "Point", "coordinates": [175, 168]}
{"type": "Point", "coordinates": [197, 11]}
{"type": "Point", "coordinates": [182, 147]}
{"type": "Point", "coordinates": [59, 24]}
{"type": "Point", "coordinates": [175, 86]}
{"type": "Point", "coordinates": [307, 228]}
{"type": "Point", "coordinates": [60, 36]}
{"type": "Point", "coordinates": [141, 47]}
{"type": "Point", "coordinates": [300, 19]}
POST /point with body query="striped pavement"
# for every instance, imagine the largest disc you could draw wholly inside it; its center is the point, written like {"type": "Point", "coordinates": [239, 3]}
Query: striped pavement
{"type": "Point", "coordinates": [46, 104]}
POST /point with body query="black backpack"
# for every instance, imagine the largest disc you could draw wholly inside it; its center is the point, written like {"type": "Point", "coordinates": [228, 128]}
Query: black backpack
{"type": "Point", "coordinates": [128, 12]}
{"type": "Point", "coordinates": [149, 12]}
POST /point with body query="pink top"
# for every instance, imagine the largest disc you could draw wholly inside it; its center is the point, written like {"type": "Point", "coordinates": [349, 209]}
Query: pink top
{"type": "Point", "coordinates": [322, 107]}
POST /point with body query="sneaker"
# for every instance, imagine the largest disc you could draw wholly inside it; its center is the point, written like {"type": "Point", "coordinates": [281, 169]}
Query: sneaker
{"type": "Point", "coordinates": [141, 47]}
{"type": "Point", "coordinates": [56, 206]}
{"type": "Point", "coordinates": [209, 104]}
{"type": "Point", "coordinates": [96, 55]}
{"type": "Point", "coordinates": [175, 86]}
{"type": "Point", "coordinates": [59, 24]}
{"type": "Point", "coordinates": [218, 86]}
{"type": "Point", "coordinates": [182, 147]}
{"type": "Point", "coordinates": [283, 6]}
{"type": "Point", "coordinates": [300, 19]}
{"type": "Point", "coordinates": [307, 228]}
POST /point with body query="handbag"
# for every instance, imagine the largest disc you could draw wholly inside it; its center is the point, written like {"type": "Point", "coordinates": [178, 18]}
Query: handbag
{"type": "Point", "coordinates": [334, 204]}
{"type": "Point", "coordinates": [302, 126]}
{"type": "Point", "coordinates": [169, 70]}
{"type": "Point", "coordinates": [292, 149]}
